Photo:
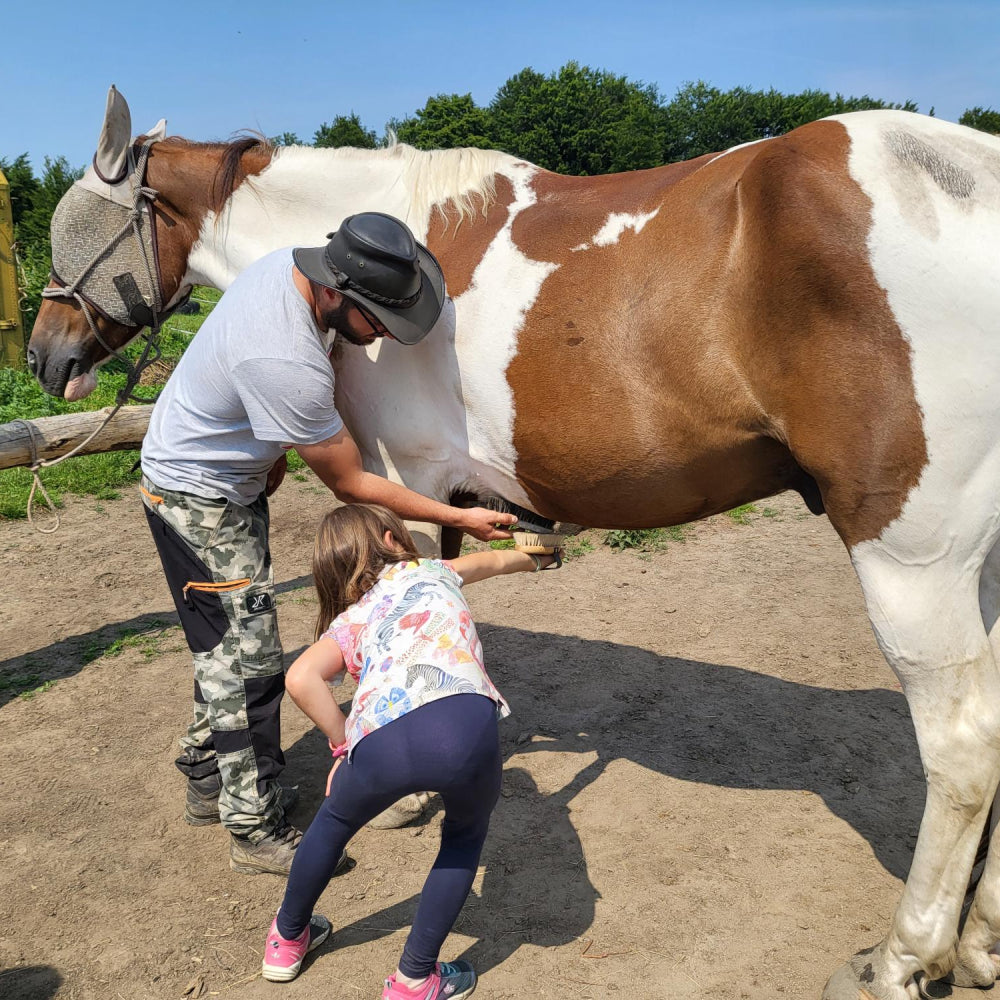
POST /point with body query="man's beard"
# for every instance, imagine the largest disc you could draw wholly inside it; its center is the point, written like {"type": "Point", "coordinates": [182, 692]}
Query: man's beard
{"type": "Point", "coordinates": [336, 319]}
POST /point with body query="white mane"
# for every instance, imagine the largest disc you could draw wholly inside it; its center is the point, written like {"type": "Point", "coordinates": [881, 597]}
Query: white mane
{"type": "Point", "coordinates": [457, 183]}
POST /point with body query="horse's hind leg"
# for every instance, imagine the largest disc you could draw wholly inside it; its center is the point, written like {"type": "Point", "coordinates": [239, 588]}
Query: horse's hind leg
{"type": "Point", "coordinates": [976, 964]}
{"type": "Point", "coordinates": [924, 608]}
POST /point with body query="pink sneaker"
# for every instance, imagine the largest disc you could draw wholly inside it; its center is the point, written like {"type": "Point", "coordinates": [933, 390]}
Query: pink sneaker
{"type": "Point", "coordinates": [283, 958]}
{"type": "Point", "coordinates": [448, 981]}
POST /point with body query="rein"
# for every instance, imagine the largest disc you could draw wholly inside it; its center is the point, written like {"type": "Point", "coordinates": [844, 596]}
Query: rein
{"type": "Point", "coordinates": [143, 314]}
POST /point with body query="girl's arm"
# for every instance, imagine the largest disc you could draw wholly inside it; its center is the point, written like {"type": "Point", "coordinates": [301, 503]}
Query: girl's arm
{"type": "Point", "coordinates": [306, 682]}
{"type": "Point", "coordinates": [482, 565]}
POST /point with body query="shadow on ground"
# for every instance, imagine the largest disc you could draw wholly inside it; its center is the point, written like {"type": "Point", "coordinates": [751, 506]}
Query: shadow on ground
{"type": "Point", "coordinates": [33, 982]}
{"type": "Point", "coordinates": [70, 655]}
{"type": "Point", "coordinates": [699, 722]}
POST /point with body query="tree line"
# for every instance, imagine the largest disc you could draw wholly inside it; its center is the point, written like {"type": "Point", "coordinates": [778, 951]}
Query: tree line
{"type": "Point", "coordinates": [576, 120]}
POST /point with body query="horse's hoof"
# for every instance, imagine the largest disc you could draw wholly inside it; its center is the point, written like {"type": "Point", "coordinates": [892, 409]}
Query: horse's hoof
{"type": "Point", "coordinates": [406, 810]}
{"type": "Point", "coordinates": [863, 978]}
{"type": "Point", "coordinates": [975, 969]}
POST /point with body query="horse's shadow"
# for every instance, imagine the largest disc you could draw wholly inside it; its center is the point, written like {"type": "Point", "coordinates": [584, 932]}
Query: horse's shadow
{"type": "Point", "coordinates": [699, 722]}
{"type": "Point", "coordinates": [30, 982]}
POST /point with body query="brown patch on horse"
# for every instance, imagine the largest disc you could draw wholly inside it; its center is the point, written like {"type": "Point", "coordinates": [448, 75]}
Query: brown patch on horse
{"type": "Point", "coordinates": [459, 247]}
{"type": "Point", "coordinates": [210, 173]}
{"type": "Point", "coordinates": [736, 346]}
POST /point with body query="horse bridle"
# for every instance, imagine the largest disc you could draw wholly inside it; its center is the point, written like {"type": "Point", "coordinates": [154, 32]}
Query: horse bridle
{"type": "Point", "coordinates": [140, 312]}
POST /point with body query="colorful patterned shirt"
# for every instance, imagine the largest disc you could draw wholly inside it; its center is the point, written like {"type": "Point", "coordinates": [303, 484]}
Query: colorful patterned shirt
{"type": "Point", "coordinates": [407, 642]}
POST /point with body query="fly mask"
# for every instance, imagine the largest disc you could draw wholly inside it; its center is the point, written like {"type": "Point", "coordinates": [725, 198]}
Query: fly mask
{"type": "Point", "coordinates": [104, 252]}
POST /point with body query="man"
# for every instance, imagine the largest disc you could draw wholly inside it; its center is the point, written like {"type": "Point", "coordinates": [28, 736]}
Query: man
{"type": "Point", "coordinates": [256, 381]}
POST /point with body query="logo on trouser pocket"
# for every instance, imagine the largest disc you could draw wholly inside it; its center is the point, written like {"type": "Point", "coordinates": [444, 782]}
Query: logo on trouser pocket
{"type": "Point", "coordinates": [257, 604]}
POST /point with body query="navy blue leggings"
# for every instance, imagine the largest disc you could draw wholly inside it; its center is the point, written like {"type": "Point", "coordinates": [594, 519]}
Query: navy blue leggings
{"type": "Point", "coordinates": [449, 746]}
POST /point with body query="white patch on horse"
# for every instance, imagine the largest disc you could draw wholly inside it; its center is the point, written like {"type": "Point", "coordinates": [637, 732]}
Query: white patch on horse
{"type": "Point", "coordinates": [926, 250]}
{"type": "Point", "coordinates": [732, 149]}
{"type": "Point", "coordinates": [504, 286]}
{"type": "Point", "coordinates": [934, 189]}
{"type": "Point", "coordinates": [616, 224]}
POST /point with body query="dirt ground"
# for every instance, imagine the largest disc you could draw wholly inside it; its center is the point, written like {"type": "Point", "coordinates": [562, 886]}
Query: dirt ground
{"type": "Point", "coordinates": [711, 790]}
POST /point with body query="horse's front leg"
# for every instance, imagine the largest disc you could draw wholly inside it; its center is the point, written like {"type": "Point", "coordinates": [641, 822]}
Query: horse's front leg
{"type": "Point", "coordinates": [927, 621]}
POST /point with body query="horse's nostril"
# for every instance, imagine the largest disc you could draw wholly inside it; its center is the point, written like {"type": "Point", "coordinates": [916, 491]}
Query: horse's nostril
{"type": "Point", "coordinates": [32, 362]}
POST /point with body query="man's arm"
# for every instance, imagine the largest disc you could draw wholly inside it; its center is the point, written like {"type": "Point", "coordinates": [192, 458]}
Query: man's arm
{"type": "Point", "coordinates": [337, 461]}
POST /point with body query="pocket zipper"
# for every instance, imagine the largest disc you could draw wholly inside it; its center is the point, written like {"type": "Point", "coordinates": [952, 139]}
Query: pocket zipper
{"type": "Point", "coordinates": [215, 588]}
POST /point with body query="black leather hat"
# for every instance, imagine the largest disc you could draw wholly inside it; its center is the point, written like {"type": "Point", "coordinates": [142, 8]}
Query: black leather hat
{"type": "Point", "coordinates": [374, 260]}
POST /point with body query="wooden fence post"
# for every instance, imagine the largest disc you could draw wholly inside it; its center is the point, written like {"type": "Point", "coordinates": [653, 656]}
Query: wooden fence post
{"type": "Point", "coordinates": [54, 436]}
{"type": "Point", "coordinates": [12, 344]}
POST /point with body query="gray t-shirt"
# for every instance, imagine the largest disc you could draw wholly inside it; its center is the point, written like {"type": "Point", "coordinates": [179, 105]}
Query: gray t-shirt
{"type": "Point", "coordinates": [254, 381]}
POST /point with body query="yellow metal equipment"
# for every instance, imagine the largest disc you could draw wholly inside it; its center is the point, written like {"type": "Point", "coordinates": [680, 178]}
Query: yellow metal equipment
{"type": "Point", "coordinates": [12, 345]}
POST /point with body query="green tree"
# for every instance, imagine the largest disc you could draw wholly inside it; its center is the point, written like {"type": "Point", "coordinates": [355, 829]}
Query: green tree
{"type": "Point", "coordinates": [703, 119]}
{"type": "Point", "coordinates": [984, 119]}
{"type": "Point", "coordinates": [33, 200]}
{"type": "Point", "coordinates": [23, 184]}
{"type": "Point", "coordinates": [285, 139]}
{"type": "Point", "coordinates": [345, 130]}
{"type": "Point", "coordinates": [579, 120]}
{"type": "Point", "coordinates": [445, 122]}
{"type": "Point", "coordinates": [33, 226]}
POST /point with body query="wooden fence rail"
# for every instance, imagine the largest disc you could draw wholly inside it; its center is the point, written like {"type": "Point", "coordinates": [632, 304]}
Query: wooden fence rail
{"type": "Point", "coordinates": [54, 436]}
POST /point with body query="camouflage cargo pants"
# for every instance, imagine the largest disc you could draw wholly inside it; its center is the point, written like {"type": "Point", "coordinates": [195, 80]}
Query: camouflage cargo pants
{"type": "Point", "coordinates": [217, 561]}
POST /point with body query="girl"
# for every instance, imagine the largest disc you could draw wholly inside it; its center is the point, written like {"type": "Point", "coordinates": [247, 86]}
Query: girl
{"type": "Point", "coordinates": [424, 718]}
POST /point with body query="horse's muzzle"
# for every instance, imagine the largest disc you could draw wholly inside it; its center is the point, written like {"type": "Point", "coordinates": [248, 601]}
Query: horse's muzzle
{"type": "Point", "coordinates": [54, 373]}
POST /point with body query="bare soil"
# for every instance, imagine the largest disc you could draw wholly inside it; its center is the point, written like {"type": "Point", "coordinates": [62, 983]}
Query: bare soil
{"type": "Point", "coordinates": [712, 787]}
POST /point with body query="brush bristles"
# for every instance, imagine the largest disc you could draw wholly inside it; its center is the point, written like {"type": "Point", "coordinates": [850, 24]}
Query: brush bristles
{"type": "Point", "coordinates": [542, 545]}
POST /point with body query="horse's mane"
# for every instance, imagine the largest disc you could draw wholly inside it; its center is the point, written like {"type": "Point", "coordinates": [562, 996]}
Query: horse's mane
{"type": "Point", "coordinates": [454, 182]}
{"type": "Point", "coordinates": [457, 183]}
{"type": "Point", "coordinates": [232, 171]}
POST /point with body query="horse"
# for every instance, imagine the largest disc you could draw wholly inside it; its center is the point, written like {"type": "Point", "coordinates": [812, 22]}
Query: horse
{"type": "Point", "coordinates": [815, 311]}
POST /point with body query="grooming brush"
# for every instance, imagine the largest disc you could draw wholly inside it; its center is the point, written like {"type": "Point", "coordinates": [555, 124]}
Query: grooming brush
{"type": "Point", "coordinates": [532, 532]}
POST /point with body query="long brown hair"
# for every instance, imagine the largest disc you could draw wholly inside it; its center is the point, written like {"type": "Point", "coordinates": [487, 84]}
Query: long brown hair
{"type": "Point", "coordinates": [351, 551]}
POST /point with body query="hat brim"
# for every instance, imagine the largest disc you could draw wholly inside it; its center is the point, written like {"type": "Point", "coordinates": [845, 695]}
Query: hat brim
{"type": "Point", "coordinates": [408, 325]}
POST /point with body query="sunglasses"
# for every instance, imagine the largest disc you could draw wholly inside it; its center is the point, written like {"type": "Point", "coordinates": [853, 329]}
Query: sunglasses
{"type": "Point", "coordinates": [377, 328]}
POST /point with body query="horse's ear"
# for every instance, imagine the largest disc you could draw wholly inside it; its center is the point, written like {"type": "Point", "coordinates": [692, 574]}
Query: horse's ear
{"type": "Point", "coordinates": [158, 131]}
{"type": "Point", "coordinates": [116, 134]}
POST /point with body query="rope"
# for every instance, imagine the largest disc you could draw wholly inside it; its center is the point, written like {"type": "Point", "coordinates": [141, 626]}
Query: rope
{"type": "Point", "coordinates": [36, 483]}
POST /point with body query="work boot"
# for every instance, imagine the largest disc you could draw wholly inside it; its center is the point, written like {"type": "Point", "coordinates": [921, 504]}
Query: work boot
{"type": "Point", "coordinates": [272, 853]}
{"type": "Point", "coordinates": [269, 853]}
{"type": "Point", "coordinates": [201, 807]}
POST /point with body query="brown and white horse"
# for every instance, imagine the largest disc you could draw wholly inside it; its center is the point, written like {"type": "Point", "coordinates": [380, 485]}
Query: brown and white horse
{"type": "Point", "coordinates": [819, 312]}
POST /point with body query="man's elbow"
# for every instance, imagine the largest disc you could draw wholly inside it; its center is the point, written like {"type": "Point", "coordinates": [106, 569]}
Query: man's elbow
{"type": "Point", "coordinates": [347, 492]}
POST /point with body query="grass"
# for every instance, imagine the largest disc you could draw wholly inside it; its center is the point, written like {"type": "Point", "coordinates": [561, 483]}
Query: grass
{"type": "Point", "coordinates": [103, 475]}
{"type": "Point", "coordinates": [146, 640]}
{"type": "Point", "coordinates": [742, 514]}
{"type": "Point", "coordinates": [576, 546]}
{"type": "Point", "coordinates": [643, 539]}
{"type": "Point", "coordinates": [25, 686]}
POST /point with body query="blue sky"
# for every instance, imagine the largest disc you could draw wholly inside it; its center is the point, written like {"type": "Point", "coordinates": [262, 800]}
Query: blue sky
{"type": "Point", "coordinates": [212, 68]}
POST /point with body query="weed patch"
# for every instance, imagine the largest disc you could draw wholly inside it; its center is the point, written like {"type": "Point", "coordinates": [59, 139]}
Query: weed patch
{"type": "Point", "coordinates": [146, 640]}
{"type": "Point", "coordinates": [742, 514]}
{"type": "Point", "coordinates": [576, 546]}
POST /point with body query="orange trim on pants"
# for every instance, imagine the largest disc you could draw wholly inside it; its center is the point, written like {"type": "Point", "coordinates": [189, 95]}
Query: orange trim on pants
{"type": "Point", "coordinates": [150, 496]}
{"type": "Point", "coordinates": [215, 588]}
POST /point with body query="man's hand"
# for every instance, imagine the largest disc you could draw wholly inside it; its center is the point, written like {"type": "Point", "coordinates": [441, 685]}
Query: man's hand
{"type": "Point", "coordinates": [482, 524]}
{"type": "Point", "coordinates": [276, 475]}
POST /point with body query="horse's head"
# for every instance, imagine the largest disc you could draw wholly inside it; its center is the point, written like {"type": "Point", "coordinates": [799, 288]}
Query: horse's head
{"type": "Point", "coordinates": [110, 276]}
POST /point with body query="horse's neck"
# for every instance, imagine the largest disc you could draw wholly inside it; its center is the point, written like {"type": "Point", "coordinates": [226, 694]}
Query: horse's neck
{"type": "Point", "coordinates": [303, 194]}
